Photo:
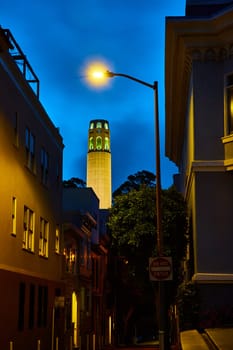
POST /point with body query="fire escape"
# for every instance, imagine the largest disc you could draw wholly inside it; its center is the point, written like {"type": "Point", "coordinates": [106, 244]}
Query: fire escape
{"type": "Point", "coordinates": [21, 60]}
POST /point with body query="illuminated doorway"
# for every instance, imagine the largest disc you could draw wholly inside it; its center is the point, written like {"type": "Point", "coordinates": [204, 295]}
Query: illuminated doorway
{"type": "Point", "coordinates": [75, 319]}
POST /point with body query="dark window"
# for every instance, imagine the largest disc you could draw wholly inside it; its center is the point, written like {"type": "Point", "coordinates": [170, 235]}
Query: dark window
{"type": "Point", "coordinates": [31, 306]}
{"type": "Point", "coordinates": [21, 306]}
{"type": "Point", "coordinates": [42, 306]}
{"type": "Point", "coordinates": [57, 309]}
{"type": "Point", "coordinates": [44, 166]}
{"type": "Point", "coordinates": [30, 149]}
{"type": "Point", "coordinates": [95, 273]}
{"type": "Point", "coordinates": [16, 130]}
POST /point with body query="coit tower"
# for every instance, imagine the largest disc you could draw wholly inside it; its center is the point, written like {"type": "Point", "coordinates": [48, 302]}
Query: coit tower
{"type": "Point", "coordinates": [99, 172]}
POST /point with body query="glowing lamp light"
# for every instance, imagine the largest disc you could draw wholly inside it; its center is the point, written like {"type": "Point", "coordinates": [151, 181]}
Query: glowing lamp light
{"type": "Point", "coordinates": [96, 74]}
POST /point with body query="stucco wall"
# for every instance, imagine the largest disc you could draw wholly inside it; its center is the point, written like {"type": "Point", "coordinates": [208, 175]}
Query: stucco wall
{"type": "Point", "coordinates": [214, 239]}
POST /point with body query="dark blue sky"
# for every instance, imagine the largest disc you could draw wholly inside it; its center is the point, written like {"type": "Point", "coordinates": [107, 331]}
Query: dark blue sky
{"type": "Point", "coordinates": [60, 37]}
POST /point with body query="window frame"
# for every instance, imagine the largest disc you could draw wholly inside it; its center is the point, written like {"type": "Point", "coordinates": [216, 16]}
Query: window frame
{"type": "Point", "coordinates": [13, 215]}
{"type": "Point", "coordinates": [99, 143]}
{"type": "Point", "coordinates": [44, 238]}
{"type": "Point", "coordinates": [28, 229]}
{"type": "Point", "coordinates": [229, 105]}
{"type": "Point", "coordinates": [57, 240]}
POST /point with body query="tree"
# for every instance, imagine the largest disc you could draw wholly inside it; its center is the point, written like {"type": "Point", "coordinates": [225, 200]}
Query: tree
{"type": "Point", "coordinates": [74, 182]}
{"type": "Point", "coordinates": [132, 220]}
{"type": "Point", "coordinates": [133, 182]}
{"type": "Point", "coordinates": [132, 224]}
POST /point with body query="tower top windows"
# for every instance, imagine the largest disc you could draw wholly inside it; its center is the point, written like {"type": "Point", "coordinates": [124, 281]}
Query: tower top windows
{"type": "Point", "coordinates": [99, 124]}
{"type": "Point", "coordinates": [99, 136]}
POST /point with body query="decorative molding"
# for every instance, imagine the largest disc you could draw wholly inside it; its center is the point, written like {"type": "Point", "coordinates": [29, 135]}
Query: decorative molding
{"type": "Point", "coordinates": [208, 165]}
{"type": "Point", "coordinates": [227, 138]}
{"type": "Point", "coordinates": [213, 277]}
{"type": "Point", "coordinates": [208, 54]}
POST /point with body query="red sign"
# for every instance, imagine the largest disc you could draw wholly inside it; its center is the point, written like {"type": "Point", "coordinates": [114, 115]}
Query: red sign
{"type": "Point", "coordinates": [160, 268]}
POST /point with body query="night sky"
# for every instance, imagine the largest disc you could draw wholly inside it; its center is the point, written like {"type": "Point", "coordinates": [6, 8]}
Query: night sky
{"type": "Point", "coordinates": [60, 38]}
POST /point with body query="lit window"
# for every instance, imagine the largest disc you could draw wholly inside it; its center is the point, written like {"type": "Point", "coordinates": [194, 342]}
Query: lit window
{"type": "Point", "coordinates": [13, 216]}
{"type": "Point", "coordinates": [28, 229]}
{"type": "Point", "coordinates": [57, 240]}
{"type": "Point", "coordinates": [98, 125]}
{"type": "Point", "coordinates": [106, 125]}
{"type": "Point", "coordinates": [71, 259]}
{"type": "Point", "coordinates": [230, 104]}
{"type": "Point", "coordinates": [91, 143]}
{"type": "Point", "coordinates": [98, 142]}
{"type": "Point", "coordinates": [44, 166]}
{"type": "Point", "coordinates": [92, 125]}
{"type": "Point", "coordinates": [30, 149]}
{"type": "Point", "coordinates": [44, 236]}
{"type": "Point", "coordinates": [106, 143]}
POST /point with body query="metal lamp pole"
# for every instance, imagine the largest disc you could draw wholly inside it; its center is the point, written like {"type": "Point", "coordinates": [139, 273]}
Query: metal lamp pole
{"type": "Point", "coordinates": [158, 198]}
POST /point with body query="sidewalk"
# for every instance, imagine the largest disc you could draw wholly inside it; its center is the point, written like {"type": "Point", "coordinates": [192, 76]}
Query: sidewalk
{"type": "Point", "coordinates": [222, 338]}
{"type": "Point", "coordinates": [192, 340]}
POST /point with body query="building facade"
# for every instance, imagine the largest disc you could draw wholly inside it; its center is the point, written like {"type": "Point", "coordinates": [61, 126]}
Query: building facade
{"type": "Point", "coordinates": [99, 172]}
{"type": "Point", "coordinates": [31, 188]}
{"type": "Point", "coordinates": [86, 254]}
{"type": "Point", "coordinates": [199, 140]}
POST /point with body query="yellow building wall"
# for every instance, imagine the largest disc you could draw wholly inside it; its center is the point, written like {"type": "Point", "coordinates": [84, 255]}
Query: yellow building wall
{"type": "Point", "coordinates": [18, 181]}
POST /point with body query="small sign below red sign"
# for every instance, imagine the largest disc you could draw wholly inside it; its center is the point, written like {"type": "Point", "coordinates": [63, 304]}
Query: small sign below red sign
{"type": "Point", "coordinates": [160, 268]}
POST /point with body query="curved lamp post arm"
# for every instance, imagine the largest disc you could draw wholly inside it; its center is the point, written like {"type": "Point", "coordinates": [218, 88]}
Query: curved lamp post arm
{"type": "Point", "coordinates": [111, 75]}
{"type": "Point", "coordinates": [157, 152]}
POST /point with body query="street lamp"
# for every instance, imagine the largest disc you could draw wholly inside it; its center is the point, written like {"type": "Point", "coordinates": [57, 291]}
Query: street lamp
{"type": "Point", "coordinates": [102, 75]}
{"type": "Point", "coordinates": [157, 150]}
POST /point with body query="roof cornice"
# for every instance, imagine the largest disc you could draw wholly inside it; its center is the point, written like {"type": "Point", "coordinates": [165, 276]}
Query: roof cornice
{"type": "Point", "coordinates": [189, 39]}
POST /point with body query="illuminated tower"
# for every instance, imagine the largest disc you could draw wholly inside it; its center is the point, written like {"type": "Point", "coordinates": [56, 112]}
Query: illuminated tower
{"type": "Point", "coordinates": [99, 173]}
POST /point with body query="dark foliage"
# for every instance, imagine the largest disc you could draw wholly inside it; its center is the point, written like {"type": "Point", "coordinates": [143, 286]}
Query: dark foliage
{"type": "Point", "coordinates": [74, 182]}
{"type": "Point", "coordinates": [132, 224]}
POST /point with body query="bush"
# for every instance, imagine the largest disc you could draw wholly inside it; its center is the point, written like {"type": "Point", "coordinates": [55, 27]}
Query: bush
{"type": "Point", "coordinates": [187, 301]}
